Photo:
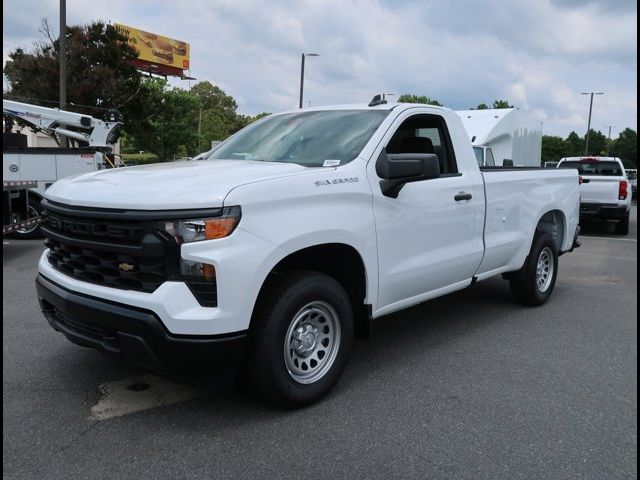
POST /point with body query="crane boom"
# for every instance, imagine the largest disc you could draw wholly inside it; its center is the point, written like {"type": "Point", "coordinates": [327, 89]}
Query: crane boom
{"type": "Point", "coordinates": [83, 128]}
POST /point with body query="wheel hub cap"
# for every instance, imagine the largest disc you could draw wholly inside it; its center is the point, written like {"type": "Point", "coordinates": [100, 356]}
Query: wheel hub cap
{"type": "Point", "coordinates": [305, 340]}
{"type": "Point", "coordinates": [312, 341]}
{"type": "Point", "coordinates": [544, 269]}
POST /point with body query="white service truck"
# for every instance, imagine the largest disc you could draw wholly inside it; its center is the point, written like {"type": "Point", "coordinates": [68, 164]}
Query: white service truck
{"type": "Point", "coordinates": [44, 165]}
{"type": "Point", "coordinates": [504, 136]}
{"type": "Point", "coordinates": [605, 190]}
{"type": "Point", "coordinates": [289, 239]}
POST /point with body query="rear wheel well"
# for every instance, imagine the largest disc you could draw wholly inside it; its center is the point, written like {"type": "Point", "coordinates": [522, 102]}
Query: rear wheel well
{"type": "Point", "coordinates": [341, 262]}
{"type": "Point", "coordinates": [553, 223]}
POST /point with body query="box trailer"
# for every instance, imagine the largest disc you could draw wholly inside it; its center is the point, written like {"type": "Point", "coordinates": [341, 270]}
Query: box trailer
{"type": "Point", "coordinates": [505, 136]}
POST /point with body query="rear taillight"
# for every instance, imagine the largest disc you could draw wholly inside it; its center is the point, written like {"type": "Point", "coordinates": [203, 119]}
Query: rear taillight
{"type": "Point", "coordinates": [622, 191]}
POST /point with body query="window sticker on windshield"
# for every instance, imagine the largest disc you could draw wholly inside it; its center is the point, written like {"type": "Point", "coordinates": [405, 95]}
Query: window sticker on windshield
{"type": "Point", "coordinates": [331, 163]}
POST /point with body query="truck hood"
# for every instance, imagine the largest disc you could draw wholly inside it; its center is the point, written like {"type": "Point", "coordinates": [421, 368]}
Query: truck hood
{"type": "Point", "coordinates": [165, 186]}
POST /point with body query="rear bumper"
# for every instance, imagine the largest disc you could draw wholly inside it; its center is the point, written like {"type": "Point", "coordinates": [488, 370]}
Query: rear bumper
{"type": "Point", "coordinates": [601, 211]}
{"type": "Point", "coordinates": [137, 336]}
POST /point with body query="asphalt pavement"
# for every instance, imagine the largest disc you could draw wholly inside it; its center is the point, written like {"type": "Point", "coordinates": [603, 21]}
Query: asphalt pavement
{"type": "Point", "coordinates": [469, 386]}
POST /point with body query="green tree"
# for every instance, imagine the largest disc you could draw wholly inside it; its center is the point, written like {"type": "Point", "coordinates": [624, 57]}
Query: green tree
{"type": "Point", "coordinates": [216, 115]}
{"type": "Point", "coordinates": [553, 148]}
{"type": "Point", "coordinates": [501, 104]}
{"type": "Point", "coordinates": [99, 75]}
{"type": "Point", "coordinates": [626, 147]}
{"type": "Point", "coordinates": [212, 97]}
{"type": "Point", "coordinates": [482, 106]}
{"type": "Point", "coordinates": [166, 127]}
{"type": "Point", "coordinates": [597, 143]}
{"type": "Point", "coordinates": [574, 145]}
{"type": "Point", "coordinates": [412, 98]}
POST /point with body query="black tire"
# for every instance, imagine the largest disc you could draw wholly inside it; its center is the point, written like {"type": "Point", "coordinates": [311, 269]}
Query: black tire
{"type": "Point", "coordinates": [32, 232]}
{"type": "Point", "coordinates": [284, 297]}
{"type": "Point", "coordinates": [524, 283]}
{"type": "Point", "coordinates": [622, 227]}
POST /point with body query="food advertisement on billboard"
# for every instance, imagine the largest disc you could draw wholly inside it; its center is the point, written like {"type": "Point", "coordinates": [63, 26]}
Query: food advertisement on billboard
{"type": "Point", "coordinates": [157, 49]}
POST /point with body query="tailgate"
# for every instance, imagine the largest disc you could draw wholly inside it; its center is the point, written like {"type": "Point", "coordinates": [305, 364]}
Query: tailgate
{"type": "Point", "coordinates": [599, 189]}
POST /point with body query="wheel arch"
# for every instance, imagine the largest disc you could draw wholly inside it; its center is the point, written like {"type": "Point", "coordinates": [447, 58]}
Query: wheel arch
{"type": "Point", "coordinates": [553, 222]}
{"type": "Point", "coordinates": [341, 261]}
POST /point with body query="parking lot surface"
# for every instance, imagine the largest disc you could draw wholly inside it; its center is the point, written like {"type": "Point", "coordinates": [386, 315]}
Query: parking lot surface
{"type": "Point", "coordinates": [469, 386]}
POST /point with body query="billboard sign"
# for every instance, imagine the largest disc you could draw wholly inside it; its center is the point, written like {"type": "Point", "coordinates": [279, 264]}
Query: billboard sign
{"type": "Point", "coordinates": [165, 53]}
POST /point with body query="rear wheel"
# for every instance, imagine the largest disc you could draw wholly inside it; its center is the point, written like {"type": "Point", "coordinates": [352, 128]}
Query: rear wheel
{"type": "Point", "coordinates": [622, 227]}
{"type": "Point", "coordinates": [534, 282]}
{"type": "Point", "coordinates": [301, 336]}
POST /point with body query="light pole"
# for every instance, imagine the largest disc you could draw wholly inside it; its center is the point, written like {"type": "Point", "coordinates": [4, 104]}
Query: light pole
{"type": "Point", "coordinates": [586, 147]}
{"type": "Point", "coordinates": [62, 58]}
{"type": "Point", "coordinates": [302, 73]}
{"type": "Point", "coordinates": [609, 139]}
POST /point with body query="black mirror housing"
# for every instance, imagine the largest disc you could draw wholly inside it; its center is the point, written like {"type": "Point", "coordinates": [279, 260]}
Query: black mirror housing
{"type": "Point", "coordinates": [400, 168]}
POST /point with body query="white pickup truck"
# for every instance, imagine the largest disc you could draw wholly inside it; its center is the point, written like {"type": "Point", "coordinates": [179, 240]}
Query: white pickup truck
{"type": "Point", "coordinates": [605, 190]}
{"type": "Point", "coordinates": [272, 254]}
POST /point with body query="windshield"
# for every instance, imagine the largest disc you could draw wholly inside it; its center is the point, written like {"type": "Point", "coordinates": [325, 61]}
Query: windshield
{"type": "Point", "coordinates": [311, 139]}
{"type": "Point", "coordinates": [612, 169]}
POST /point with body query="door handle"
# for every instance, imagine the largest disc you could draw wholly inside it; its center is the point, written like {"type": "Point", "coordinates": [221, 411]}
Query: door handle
{"type": "Point", "coordinates": [462, 196]}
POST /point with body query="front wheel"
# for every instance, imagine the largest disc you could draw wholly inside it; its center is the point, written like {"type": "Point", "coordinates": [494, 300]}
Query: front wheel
{"type": "Point", "coordinates": [301, 336]}
{"type": "Point", "coordinates": [534, 282]}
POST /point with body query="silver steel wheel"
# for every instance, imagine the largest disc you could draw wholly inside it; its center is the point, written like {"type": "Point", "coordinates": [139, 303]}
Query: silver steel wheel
{"type": "Point", "coordinates": [312, 342]}
{"type": "Point", "coordinates": [545, 269]}
{"type": "Point", "coordinates": [31, 213]}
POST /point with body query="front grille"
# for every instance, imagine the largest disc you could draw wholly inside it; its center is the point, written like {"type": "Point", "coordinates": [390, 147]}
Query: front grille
{"type": "Point", "coordinates": [108, 248]}
{"type": "Point", "coordinates": [113, 230]}
{"type": "Point", "coordinates": [105, 268]}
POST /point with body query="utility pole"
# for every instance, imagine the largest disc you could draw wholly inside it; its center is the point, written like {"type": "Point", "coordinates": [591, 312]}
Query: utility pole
{"type": "Point", "coordinates": [199, 125]}
{"type": "Point", "coordinates": [609, 139]}
{"type": "Point", "coordinates": [302, 73]}
{"type": "Point", "coordinates": [586, 147]}
{"type": "Point", "coordinates": [62, 44]}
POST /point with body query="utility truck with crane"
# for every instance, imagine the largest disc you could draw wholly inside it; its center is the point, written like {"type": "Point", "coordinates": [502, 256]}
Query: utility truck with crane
{"type": "Point", "coordinates": [29, 171]}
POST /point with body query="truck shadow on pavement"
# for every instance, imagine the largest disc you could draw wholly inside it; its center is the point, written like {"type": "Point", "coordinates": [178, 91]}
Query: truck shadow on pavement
{"type": "Point", "coordinates": [399, 340]}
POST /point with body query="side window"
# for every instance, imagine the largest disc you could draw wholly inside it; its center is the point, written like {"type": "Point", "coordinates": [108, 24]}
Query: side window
{"type": "Point", "coordinates": [425, 134]}
{"type": "Point", "coordinates": [490, 161]}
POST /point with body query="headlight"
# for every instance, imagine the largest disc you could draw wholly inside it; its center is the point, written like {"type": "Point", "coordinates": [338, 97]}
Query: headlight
{"type": "Point", "coordinates": [198, 229]}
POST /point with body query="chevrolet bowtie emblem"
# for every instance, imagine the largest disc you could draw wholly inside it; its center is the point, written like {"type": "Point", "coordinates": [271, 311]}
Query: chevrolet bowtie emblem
{"type": "Point", "coordinates": [126, 267]}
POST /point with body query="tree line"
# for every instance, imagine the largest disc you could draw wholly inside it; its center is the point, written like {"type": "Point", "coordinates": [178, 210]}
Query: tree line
{"type": "Point", "coordinates": [625, 146]}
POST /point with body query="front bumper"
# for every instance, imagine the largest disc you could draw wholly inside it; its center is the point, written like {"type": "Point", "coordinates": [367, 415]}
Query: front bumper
{"type": "Point", "coordinates": [137, 335]}
{"type": "Point", "coordinates": [599, 211]}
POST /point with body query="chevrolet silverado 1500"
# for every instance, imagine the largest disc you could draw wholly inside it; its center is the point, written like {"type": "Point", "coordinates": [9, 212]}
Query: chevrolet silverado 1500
{"type": "Point", "coordinates": [269, 256]}
{"type": "Point", "coordinates": [605, 192]}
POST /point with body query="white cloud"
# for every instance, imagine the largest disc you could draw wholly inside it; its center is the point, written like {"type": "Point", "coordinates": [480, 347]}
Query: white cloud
{"type": "Point", "coordinates": [538, 55]}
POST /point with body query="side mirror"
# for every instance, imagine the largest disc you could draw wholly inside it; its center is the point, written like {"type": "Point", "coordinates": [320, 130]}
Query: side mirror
{"type": "Point", "coordinates": [400, 168]}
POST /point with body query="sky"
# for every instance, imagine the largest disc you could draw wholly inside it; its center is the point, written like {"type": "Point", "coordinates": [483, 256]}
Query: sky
{"type": "Point", "coordinates": [537, 54]}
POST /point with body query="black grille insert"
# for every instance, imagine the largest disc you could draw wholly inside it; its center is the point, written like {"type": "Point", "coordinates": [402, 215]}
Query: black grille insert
{"type": "Point", "coordinates": [116, 270]}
